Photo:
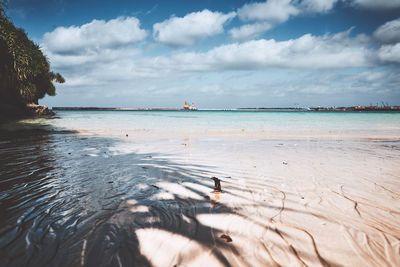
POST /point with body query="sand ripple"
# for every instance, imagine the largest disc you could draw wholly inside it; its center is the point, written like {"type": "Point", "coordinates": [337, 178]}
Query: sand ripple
{"type": "Point", "coordinates": [75, 200]}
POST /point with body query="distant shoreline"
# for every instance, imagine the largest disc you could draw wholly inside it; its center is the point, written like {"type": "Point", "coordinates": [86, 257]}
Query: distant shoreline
{"type": "Point", "coordinates": [350, 109]}
{"type": "Point", "coordinates": [113, 109]}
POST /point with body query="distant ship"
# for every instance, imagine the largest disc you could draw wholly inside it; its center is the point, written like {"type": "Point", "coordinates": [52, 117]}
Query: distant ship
{"type": "Point", "coordinates": [189, 107]}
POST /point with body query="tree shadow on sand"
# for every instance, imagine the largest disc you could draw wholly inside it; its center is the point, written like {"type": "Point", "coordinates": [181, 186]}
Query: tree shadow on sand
{"type": "Point", "coordinates": [96, 199]}
{"type": "Point", "coordinates": [112, 241]}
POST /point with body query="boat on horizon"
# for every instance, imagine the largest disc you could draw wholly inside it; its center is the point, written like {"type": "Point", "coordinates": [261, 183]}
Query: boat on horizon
{"type": "Point", "coordinates": [189, 107]}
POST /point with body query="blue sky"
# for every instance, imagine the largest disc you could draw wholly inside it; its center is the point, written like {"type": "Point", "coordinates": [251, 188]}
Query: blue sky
{"type": "Point", "coordinates": [218, 54]}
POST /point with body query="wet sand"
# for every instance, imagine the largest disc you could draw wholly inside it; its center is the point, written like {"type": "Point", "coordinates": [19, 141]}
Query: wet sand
{"type": "Point", "coordinates": [147, 199]}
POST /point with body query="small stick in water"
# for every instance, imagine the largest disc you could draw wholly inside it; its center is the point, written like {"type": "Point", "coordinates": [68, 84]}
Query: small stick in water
{"type": "Point", "coordinates": [217, 184]}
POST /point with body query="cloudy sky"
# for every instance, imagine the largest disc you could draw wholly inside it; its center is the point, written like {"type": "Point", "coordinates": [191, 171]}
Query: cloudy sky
{"type": "Point", "coordinates": [218, 53]}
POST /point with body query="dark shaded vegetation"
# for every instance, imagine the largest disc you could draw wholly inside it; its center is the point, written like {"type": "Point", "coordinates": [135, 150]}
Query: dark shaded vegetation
{"type": "Point", "coordinates": [25, 75]}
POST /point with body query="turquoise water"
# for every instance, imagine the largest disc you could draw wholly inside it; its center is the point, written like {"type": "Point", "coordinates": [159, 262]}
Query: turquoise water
{"type": "Point", "coordinates": [220, 120]}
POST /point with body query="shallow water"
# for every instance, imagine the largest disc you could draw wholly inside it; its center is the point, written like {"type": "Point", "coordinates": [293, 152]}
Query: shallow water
{"type": "Point", "coordinates": [226, 120]}
{"type": "Point", "coordinates": [59, 191]}
{"type": "Point", "coordinates": [99, 199]}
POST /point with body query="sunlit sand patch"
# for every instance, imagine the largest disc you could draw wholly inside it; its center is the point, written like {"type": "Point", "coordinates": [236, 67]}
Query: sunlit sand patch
{"type": "Point", "coordinates": [143, 186]}
{"type": "Point", "coordinates": [215, 197]}
{"type": "Point", "coordinates": [297, 134]}
{"type": "Point", "coordinates": [164, 248]}
{"type": "Point", "coordinates": [139, 208]}
{"type": "Point", "coordinates": [169, 190]}
{"type": "Point", "coordinates": [163, 196]}
{"type": "Point", "coordinates": [198, 187]}
{"type": "Point", "coordinates": [131, 202]}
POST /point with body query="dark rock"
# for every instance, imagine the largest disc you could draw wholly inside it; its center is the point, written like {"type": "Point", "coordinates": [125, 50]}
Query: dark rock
{"type": "Point", "coordinates": [39, 110]}
{"type": "Point", "coordinates": [11, 111]}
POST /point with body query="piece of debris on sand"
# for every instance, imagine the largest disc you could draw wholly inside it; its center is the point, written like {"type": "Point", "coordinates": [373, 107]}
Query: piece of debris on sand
{"type": "Point", "coordinates": [226, 238]}
{"type": "Point", "coordinates": [217, 184]}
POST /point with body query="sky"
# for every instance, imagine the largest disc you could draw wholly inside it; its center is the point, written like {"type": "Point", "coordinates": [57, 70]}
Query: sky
{"type": "Point", "coordinates": [217, 53]}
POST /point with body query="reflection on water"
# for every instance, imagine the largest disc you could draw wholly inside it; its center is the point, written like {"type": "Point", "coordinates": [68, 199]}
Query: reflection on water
{"type": "Point", "coordinates": [69, 200]}
{"type": "Point", "coordinates": [27, 194]}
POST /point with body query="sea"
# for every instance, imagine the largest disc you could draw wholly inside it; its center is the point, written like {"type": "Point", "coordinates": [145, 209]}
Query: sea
{"type": "Point", "coordinates": [113, 122]}
{"type": "Point", "coordinates": [63, 180]}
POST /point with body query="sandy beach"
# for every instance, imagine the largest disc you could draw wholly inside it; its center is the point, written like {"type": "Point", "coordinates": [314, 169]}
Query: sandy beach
{"type": "Point", "coordinates": [145, 197]}
{"type": "Point", "coordinates": [306, 202]}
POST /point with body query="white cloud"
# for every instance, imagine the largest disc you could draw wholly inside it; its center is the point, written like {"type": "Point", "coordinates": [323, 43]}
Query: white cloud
{"type": "Point", "coordinates": [389, 35]}
{"type": "Point", "coordinates": [121, 72]}
{"type": "Point", "coordinates": [378, 4]}
{"type": "Point", "coordinates": [308, 51]}
{"type": "Point", "coordinates": [389, 32]}
{"type": "Point", "coordinates": [276, 11]}
{"type": "Point", "coordinates": [390, 53]}
{"type": "Point", "coordinates": [185, 31]}
{"type": "Point", "coordinates": [98, 34]}
{"type": "Point", "coordinates": [248, 31]}
{"type": "Point", "coordinates": [279, 11]}
{"type": "Point", "coordinates": [319, 6]}
{"type": "Point", "coordinates": [90, 57]}
{"type": "Point", "coordinates": [128, 65]}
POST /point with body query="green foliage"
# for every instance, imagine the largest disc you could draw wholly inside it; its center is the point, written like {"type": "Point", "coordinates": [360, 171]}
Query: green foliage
{"type": "Point", "coordinates": [24, 70]}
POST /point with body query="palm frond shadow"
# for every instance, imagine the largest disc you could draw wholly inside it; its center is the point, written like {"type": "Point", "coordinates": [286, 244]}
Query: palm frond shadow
{"type": "Point", "coordinates": [177, 213]}
{"type": "Point", "coordinates": [87, 202]}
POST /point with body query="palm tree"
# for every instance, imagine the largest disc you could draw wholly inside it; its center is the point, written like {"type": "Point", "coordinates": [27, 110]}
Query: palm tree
{"type": "Point", "coordinates": [25, 74]}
